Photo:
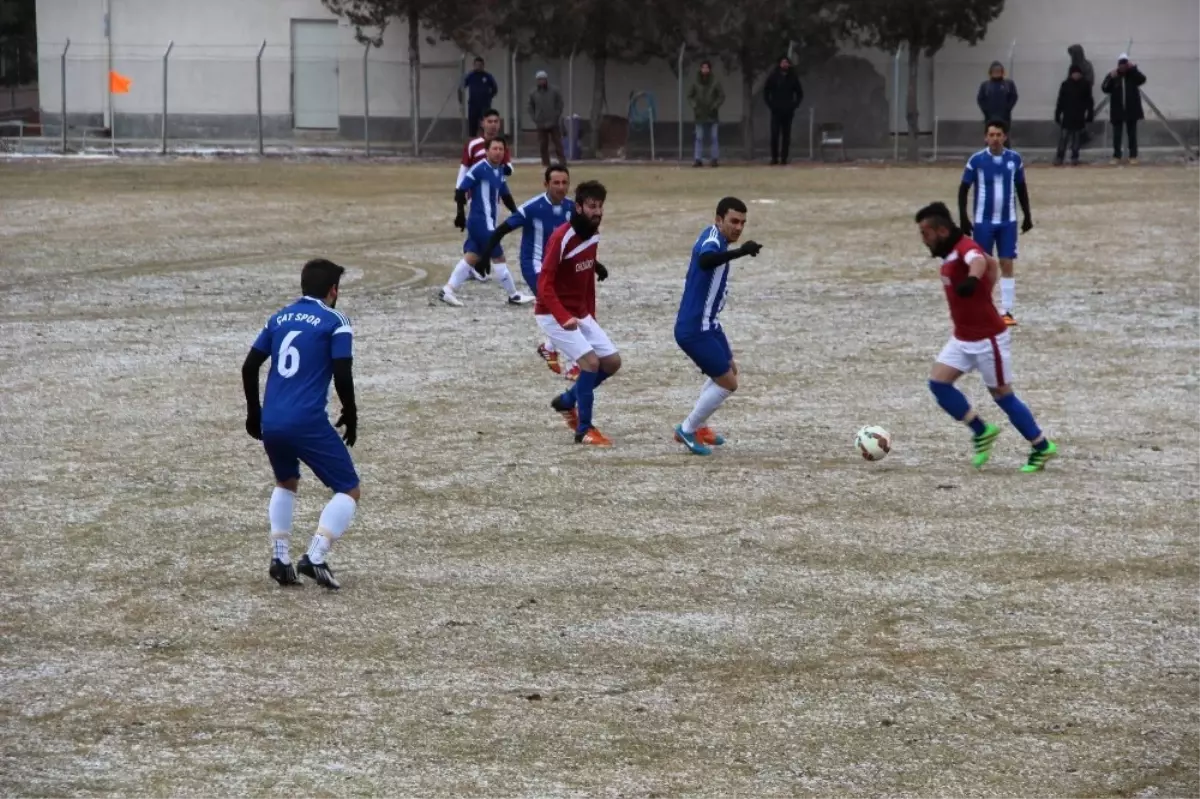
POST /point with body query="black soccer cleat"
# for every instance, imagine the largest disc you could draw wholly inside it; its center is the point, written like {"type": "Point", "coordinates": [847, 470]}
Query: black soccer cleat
{"type": "Point", "coordinates": [283, 573]}
{"type": "Point", "coordinates": [319, 572]}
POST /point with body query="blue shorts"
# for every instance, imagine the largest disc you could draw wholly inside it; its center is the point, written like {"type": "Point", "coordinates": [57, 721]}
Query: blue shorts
{"type": "Point", "coordinates": [321, 449]}
{"type": "Point", "coordinates": [1002, 236]}
{"type": "Point", "coordinates": [531, 277]}
{"type": "Point", "coordinates": [709, 350]}
{"type": "Point", "coordinates": [477, 239]}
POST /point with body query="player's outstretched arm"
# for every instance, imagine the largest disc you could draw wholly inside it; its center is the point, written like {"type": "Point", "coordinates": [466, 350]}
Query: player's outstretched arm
{"type": "Point", "coordinates": [484, 265]}
{"type": "Point", "coordinates": [711, 260]}
{"type": "Point", "coordinates": [254, 361]}
{"type": "Point", "coordinates": [343, 384]}
{"type": "Point", "coordinates": [460, 202]}
{"type": "Point", "coordinates": [964, 221]}
{"type": "Point", "coordinates": [1023, 199]}
{"type": "Point", "coordinates": [977, 265]}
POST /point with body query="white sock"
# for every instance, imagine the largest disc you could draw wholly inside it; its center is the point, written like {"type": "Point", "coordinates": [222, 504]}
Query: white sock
{"type": "Point", "coordinates": [505, 277]}
{"type": "Point", "coordinates": [460, 275]}
{"type": "Point", "coordinates": [711, 397]}
{"type": "Point", "coordinates": [280, 510]}
{"type": "Point", "coordinates": [1008, 293]}
{"type": "Point", "coordinates": [549, 345]}
{"type": "Point", "coordinates": [334, 520]}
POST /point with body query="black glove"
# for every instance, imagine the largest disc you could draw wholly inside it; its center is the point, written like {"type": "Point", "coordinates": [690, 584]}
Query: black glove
{"type": "Point", "coordinates": [751, 248]}
{"type": "Point", "coordinates": [601, 272]}
{"type": "Point", "coordinates": [967, 287]}
{"type": "Point", "coordinates": [348, 420]}
{"type": "Point", "coordinates": [460, 220]}
{"type": "Point", "coordinates": [507, 170]}
{"type": "Point", "coordinates": [254, 423]}
{"type": "Point", "coordinates": [484, 265]}
{"type": "Point", "coordinates": [1027, 225]}
{"type": "Point", "coordinates": [967, 230]}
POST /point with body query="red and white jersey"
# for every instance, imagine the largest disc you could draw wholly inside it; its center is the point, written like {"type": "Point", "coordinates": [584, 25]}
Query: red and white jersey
{"type": "Point", "coordinates": [475, 151]}
{"type": "Point", "coordinates": [975, 318]}
{"type": "Point", "coordinates": [567, 284]}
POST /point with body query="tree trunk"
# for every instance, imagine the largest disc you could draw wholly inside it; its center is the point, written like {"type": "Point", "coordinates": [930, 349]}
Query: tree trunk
{"type": "Point", "coordinates": [599, 65]}
{"type": "Point", "coordinates": [414, 77]}
{"type": "Point", "coordinates": [913, 111]}
{"type": "Point", "coordinates": [747, 109]}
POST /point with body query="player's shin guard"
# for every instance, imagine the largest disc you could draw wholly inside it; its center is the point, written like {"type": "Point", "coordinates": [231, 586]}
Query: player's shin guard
{"type": "Point", "coordinates": [460, 275]}
{"type": "Point", "coordinates": [571, 395]}
{"type": "Point", "coordinates": [955, 403]}
{"type": "Point", "coordinates": [1008, 293]}
{"type": "Point", "coordinates": [711, 397]}
{"type": "Point", "coordinates": [585, 397]}
{"type": "Point", "coordinates": [280, 510]}
{"type": "Point", "coordinates": [1021, 417]}
{"type": "Point", "coordinates": [334, 520]}
{"type": "Point", "coordinates": [505, 278]}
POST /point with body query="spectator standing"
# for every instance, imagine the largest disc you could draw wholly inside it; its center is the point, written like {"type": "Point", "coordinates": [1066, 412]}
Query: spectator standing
{"type": "Point", "coordinates": [1123, 86]}
{"type": "Point", "coordinates": [997, 97]}
{"type": "Point", "coordinates": [481, 88]}
{"type": "Point", "coordinates": [1079, 59]}
{"type": "Point", "coordinates": [1074, 110]}
{"type": "Point", "coordinates": [546, 110]}
{"type": "Point", "coordinates": [706, 96]}
{"type": "Point", "coordinates": [783, 95]}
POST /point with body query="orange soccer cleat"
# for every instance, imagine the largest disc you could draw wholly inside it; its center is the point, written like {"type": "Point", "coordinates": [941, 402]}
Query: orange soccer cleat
{"type": "Point", "coordinates": [1009, 320]}
{"type": "Point", "coordinates": [593, 437]}
{"type": "Point", "coordinates": [706, 435]}
{"type": "Point", "coordinates": [551, 359]}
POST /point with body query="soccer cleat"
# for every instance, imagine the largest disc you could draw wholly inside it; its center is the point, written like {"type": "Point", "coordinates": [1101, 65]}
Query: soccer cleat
{"type": "Point", "coordinates": [1133, 162]}
{"type": "Point", "coordinates": [283, 573]}
{"type": "Point", "coordinates": [983, 445]}
{"type": "Point", "coordinates": [706, 435]}
{"type": "Point", "coordinates": [572, 373]}
{"type": "Point", "coordinates": [1009, 319]}
{"type": "Point", "coordinates": [551, 359]}
{"type": "Point", "coordinates": [447, 296]}
{"type": "Point", "coordinates": [697, 163]}
{"type": "Point", "coordinates": [520, 299]}
{"type": "Point", "coordinates": [714, 163]}
{"type": "Point", "coordinates": [1037, 458]}
{"type": "Point", "coordinates": [319, 572]}
{"type": "Point", "coordinates": [692, 441]}
{"type": "Point", "coordinates": [593, 437]}
{"type": "Point", "coordinates": [567, 412]}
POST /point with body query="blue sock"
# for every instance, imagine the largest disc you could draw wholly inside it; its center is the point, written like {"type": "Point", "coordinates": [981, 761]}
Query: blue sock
{"type": "Point", "coordinates": [955, 403]}
{"type": "Point", "coordinates": [570, 398]}
{"type": "Point", "coordinates": [584, 389]}
{"type": "Point", "coordinates": [1021, 417]}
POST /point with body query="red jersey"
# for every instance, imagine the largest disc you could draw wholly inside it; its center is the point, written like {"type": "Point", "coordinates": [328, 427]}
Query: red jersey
{"type": "Point", "coordinates": [567, 285]}
{"type": "Point", "coordinates": [475, 151]}
{"type": "Point", "coordinates": [975, 318]}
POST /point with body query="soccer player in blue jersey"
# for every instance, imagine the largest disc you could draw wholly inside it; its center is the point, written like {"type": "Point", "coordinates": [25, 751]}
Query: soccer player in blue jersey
{"type": "Point", "coordinates": [308, 342]}
{"type": "Point", "coordinates": [698, 329]}
{"type": "Point", "coordinates": [488, 187]}
{"type": "Point", "coordinates": [537, 219]}
{"type": "Point", "coordinates": [998, 175]}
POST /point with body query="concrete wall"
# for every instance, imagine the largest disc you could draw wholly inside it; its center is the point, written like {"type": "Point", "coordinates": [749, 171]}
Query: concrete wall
{"type": "Point", "coordinates": [211, 79]}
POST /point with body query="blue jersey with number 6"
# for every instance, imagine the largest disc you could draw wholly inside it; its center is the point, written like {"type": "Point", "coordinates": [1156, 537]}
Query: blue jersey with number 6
{"type": "Point", "coordinates": [303, 340]}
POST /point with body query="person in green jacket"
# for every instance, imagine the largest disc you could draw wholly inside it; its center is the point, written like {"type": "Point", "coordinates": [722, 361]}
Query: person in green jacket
{"type": "Point", "coordinates": [706, 96]}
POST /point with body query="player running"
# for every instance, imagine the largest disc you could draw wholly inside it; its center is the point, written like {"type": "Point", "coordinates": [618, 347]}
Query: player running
{"type": "Point", "coordinates": [488, 187]}
{"type": "Point", "coordinates": [698, 331]}
{"type": "Point", "coordinates": [307, 343]}
{"type": "Point", "coordinates": [998, 175]}
{"type": "Point", "coordinates": [566, 308]}
{"type": "Point", "coordinates": [980, 341]}
{"type": "Point", "coordinates": [537, 219]}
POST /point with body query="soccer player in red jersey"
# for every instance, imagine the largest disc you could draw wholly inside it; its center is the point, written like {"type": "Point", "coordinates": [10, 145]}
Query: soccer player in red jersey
{"type": "Point", "coordinates": [566, 308]}
{"type": "Point", "coordinates": [981, 340]}
{"type": "Point", "coordinates": [475, 150]}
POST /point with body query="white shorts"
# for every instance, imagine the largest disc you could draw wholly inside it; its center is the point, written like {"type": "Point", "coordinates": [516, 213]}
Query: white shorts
{"type": "Point", "coordinates": [576, 343]}
{"type": "Point", "coordinates": [991, 356]}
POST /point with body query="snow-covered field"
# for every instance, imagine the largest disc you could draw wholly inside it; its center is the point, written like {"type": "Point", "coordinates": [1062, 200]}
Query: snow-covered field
{"type": "Point", "coordinates": [521, 616]}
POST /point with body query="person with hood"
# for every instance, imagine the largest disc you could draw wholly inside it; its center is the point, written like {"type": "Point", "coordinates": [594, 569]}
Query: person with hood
{"type": "Point", "coordinates": [1123, 86]}
{"type": "Point", "coordinates": [706, 96]}
{"type": "Point", "coordinates": [783, 95]}
{"type": "Point", "coordinates": [997, 96]}
{"type": "Point", "coordinates": [1074, 110]}
{"type": "Point", "coordinates": [1079, 59]}
{"type": "Point", "coordinates": [546, 109]}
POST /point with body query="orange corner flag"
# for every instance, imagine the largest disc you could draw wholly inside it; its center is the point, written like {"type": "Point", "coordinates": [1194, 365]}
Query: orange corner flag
{"type": "Point", "coordinates": [118, 83]}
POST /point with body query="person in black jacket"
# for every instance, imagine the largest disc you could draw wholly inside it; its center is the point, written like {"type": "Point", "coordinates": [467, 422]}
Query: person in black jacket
{"type": "Point", "coordinates": [782, 94]}
{"type": "Point", "coordinates": [1123, 86]}
{"type": "Point", "coordinates": [1074, 110]}
{"type": "Point", "coordinates": [996, 98]}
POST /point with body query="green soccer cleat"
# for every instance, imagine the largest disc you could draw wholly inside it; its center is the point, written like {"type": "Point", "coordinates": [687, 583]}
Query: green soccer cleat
{"type": "Point", "coordinates": [983, 445]}
{"type": "Point", "coordinates": [1038, 458]}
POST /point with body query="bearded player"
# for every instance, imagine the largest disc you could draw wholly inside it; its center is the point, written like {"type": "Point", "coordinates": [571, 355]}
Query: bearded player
{"type": "Point", "coordinates": [566, 308]}
{"type": "Point", "coordinates": [981, 340]}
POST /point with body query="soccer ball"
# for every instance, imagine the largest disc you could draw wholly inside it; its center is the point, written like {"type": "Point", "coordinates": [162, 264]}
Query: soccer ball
{"type": "Point", "coordinates": [873, 443]}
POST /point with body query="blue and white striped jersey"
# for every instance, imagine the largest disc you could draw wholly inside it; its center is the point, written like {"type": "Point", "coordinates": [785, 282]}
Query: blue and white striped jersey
{"type": "Point", "coordinates": [538, 218]}
{"type": "Point", "coordinates": [704, 290]}
{"type": "Point", "coordinates": [995, 178]}
{"type": "Point", "coordinates": [487, 185]}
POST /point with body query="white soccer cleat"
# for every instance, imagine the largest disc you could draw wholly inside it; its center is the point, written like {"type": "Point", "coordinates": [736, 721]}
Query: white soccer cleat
{"type": "Point", "coordinates": [447, 296]}
{"type": "Point", "coordinates": [520, 299]}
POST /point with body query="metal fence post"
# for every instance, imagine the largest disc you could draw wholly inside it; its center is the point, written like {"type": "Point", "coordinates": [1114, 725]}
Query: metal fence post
{"type": "Point", "coordinates": [258, 86]}
{"type": "Point", "coordinates": [414, 107]}
{"type": "Point", "coordinates": [166, 55]}
{"type": "Point", "coordinates": [63, 120]}
{"type": "Point", "coordinates": [936, 124]}
{"type": "Point", "coordinates": [516, 104]}
{"type": "Point", "coordinates": [462, 98]}
{"type": "Point", "coordinates": [812, 124]}
{"type": "Point", "coordinates": [896, 105]}
{"type": "Point", "coordinates": [650, 113]}
{"type": "Point", "coordinates": [682, 49]}
{"type": "Point", "coordinates": [366, 100]}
